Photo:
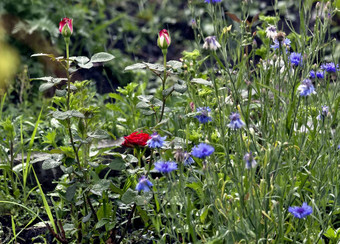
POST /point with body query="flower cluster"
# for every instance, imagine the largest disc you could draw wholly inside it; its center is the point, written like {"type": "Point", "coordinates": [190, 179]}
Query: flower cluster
{"type": "Point", "coordinates": [306, 88]}
{"type": "Point", "coordinates": [165, 166]}
{"type": "Point", "coordinates": [317, 74]}
{"type": "Point", "coordinates": [203, 114]}
{"type": "Point", "coordinates": [296, 59]}
{"type": "Point", "coordinates": [236, 122]}
{"type": "Point", "coordinates": [202, 150]}
{"type": "Point", "coordinates": [301, 212]}
{"type": "Point", "coordinates": [330, 67]}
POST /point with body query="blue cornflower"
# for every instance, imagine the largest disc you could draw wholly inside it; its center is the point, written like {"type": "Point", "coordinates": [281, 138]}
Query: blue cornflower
{"type": "Point", "coordinates": [188, 160]}
{"type": "Point", "coordinates": [212, 1]}
{"type": "Point", "coordinates": [301, 212]}
{"type": "Point", "coordinates": [143, 184]}
{"type": "Point", "coordinates": [339, 147]}
{"type": "Point", "coordinates": [156, 141]}
{"type": "Point", "coordinates": [203, 114]}
{"type": "Point", "coordinates": [236, 122]}
{"type": "Point", "coordinates": [202, 150]}
{"type": "Point", "coordinates": [324, 113]}
{"type": "Point", "coordinates": [286, 43]}
{"type": "Point", "coordinates": [250, 161]}
{"type": "Point", "coordinates": [165, 167]}
{"type": "Point", "coordinates": [296, 59]}
{"type": "Point", "coordinates": [183, 156]}
{"type": "Point", "coordinates": [306, 88]}
{"type": "Point", "coordinates": [330, 67]}
{"type": "Point", "coordinates": [318, 74]}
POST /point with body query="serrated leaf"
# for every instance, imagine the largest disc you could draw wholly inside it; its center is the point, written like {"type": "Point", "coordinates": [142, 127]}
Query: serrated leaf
{"type": "Point", "coordinates": [82, 60]}
{"type": "Point", "coordinates": [101, 57]}
{"type": "Point", "coordinates": [174, 64]}
{"type": "Point", "coordinates": [201, 81]}
{"type": "Point", "coordinates": [101, 186]}
{"type": "Point", "coordinates": [135, 67]}
{"type": "Point", "coordinates": [180, 88]}
{"type": "Point", "coordinates": [142, 105]}
{"type": "Point", "coordinates": [117, 164]}
{"type": "Point", "coordinates": [68, 114]}
{"type": "Point", "coordinates": [129, 196]}
{"type": "Point", "coordinates": [89, 65]}
{"type": "Point", "coordinates": [60, 93]}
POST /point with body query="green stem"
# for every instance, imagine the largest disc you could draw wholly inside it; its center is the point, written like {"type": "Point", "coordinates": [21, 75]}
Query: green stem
{"type": "Point", "coordinates": [164, 51]}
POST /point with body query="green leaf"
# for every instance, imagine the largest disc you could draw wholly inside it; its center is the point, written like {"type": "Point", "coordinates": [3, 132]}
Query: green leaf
{"type": "Point", "coordinates": [45, 86]}
{"type": "Point", "coordinates": [168, 91]}
{"type": "Point", "coordinates": [101, 223]}
{"type": "Point", "coordinates": [43, 55]}
{"type": "Point", "coordinates": [52, 162]}
{"type": "Point", "coordinates": [145, 98]}
{"type": "Point", "coordinates": [201, 81]}
{"type": "Point", "coordinates": [66, 115]}
{"type": "Point", "coordinates": [142, 105]}
{"type": "Point", "coordinates": [89, 65]}
{"type": "Point", "coordinates": [129, 196]}
{"type": "Point", "coordinates": [70, 192]}
{"type": "Point", "coordinates": [87, 217]}
{"type": "Point", "coordinates": [101, 186]}
{"type": "Point", "coordinates": [60, 93]}
{"type": "Point", "coordinates": [174, 64]}
{"type": "Point", "coordinates": [101, 57]}
{"type": "Point", "coordinates": [117, 164]}
{"type": "Point", "coordinates": [180, 88]}
{"type": "Point", "coordinates": [82, 60]}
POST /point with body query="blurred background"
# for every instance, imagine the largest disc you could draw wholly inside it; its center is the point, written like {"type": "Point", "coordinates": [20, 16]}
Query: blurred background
{"type": "Point", "coordinates": [126, 29]}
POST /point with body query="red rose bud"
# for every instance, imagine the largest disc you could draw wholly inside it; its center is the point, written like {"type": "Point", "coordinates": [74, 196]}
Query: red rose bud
{"type": "Point", "coordinates": [66, 27]}
{"type": "Point", "coordinates": [164, 39]}
{"type": "Point", "coordinates": [136, 139]}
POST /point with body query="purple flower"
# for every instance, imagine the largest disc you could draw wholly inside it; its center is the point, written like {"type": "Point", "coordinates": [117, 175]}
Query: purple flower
{"type": "Point", "coordinates": [236, 122]}
{"type": "Point", "coordinates": [250, 161]}
{"type": "Point", "coordinates": [202, 150]}
{"type": "Point", "coordinates": [306, 88]}
{"type": "Point", "coordinates": [318, 74]}
{"type": "Point", "coordinates": [143, 184]}
{"type": "Point", "coordinates": [301, 212]}
{"type": "Point", "coordinates": [330, 67]}
{"type": "Point", "coordinates": [339, 147]}
{"type": "Point", "coordinates": [211, 43]}
{"type": "Point", "coordinates": [165, 167]}
{"type": "Point", "coordinates": [183, 156]}
{"type": "Point", "coordinates": [286, 43]}
{"type": "Point", "coordinates": [212, 1]}
{"type": "Point", "coordinates": [271, 32]}
{"type": "Point", "coordinates": [296, 59]}
{"type": "Point", "coordinates": [156, 141]}
{"type": "Point", "coordinates": [203, 115]}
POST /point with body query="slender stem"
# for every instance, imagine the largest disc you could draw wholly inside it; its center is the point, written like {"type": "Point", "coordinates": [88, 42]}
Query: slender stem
{"type": "Point", "coordinates": [164, 51]}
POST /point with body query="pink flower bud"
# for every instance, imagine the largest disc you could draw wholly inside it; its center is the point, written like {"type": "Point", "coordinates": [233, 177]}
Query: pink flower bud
{"type": "Point", "coordinates": [66, 27]}
{"type": "Point", "coordinates": [164, 39]}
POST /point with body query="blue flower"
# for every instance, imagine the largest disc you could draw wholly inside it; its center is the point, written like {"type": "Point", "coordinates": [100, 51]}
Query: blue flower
{"type": "Point", "coordinates": [236, 122]}
{"type": "Point", "coordinates": [301, 212]}
{"type": "Point", "coordinates": [156, 141]}
{"type": "Point", "coordinates": [318, 74]}
{"type": "Point", "coordinates": [296, 59]}
{"type": "Point", "coordinates": [165, 167]}
{"type": "Point", "coordinates": [183, 156]}
{"type": "Point", "coordinates": [143, 184]}
{"type": "Point", "coordinates": [330, 67]}
{"type": "Point", "coordinates": [339, 147]}
{"type": "Point", "coordinates": [211, 43]}
{"type": "Point", "coordinates": [202, 150]}
{"type": "Point", "coordinates": [250, 161]}
{"type": "Point", "coordinates": [286, 43]}
{"type": "Point", "coordinates": [306, 88]}
{"type": "Point", "coordinates": [212, 1]}
{"type": "Point", "coordinates": [203, 115]}
{"type": "Point", "coordinates": [324, 113]}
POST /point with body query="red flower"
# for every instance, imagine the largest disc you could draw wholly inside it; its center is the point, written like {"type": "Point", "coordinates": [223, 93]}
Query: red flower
{"type": "Point", "coordinates": [137, 138]}
{"type": "Point", "coordinates": [66, 27]}
{"type": "Point", "coordinates": [164, 39]}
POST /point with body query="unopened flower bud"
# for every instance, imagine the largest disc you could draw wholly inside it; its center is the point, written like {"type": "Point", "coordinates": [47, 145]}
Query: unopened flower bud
{"type": "Point", "coordinates": [164, 39]}
{"type": "Point", "coordinates": [66, 27]}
